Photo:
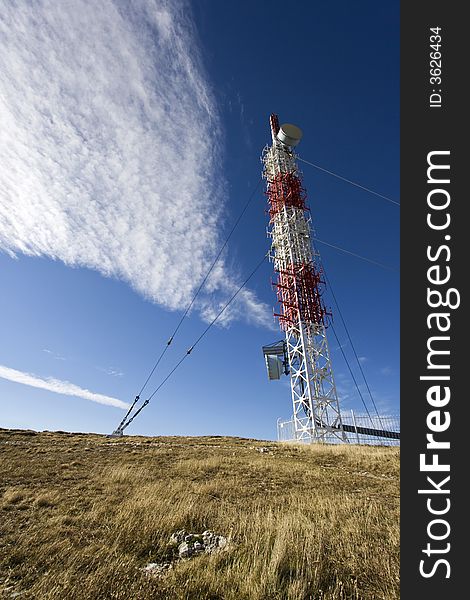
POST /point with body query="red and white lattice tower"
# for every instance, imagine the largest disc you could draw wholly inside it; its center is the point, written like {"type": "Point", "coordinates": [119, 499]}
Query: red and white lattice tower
{"type": "Point", "coordinates": [303, 316]}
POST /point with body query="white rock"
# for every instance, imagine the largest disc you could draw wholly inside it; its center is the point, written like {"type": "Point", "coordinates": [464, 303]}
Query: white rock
{"type": "Point", "coordinates": [185, 550]}
{"type": "Point", "coordinates": [156, 569]}
{"type": "Point", "coordinates": [178, 536]}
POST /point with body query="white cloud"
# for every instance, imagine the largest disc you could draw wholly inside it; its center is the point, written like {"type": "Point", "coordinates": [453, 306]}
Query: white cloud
{"type": "Point", "coordinates": [110, 154]}
{"type": "Point", "coordinates": [111, 371]}
{"type": "Point", "coordinates": [59, 387]}
{"type": "Point", "coordinates": [53, 354]}
{"type": "Point", "coordinates": [342, 345]}
{"type": "Point", "coordinates": [386, 371]}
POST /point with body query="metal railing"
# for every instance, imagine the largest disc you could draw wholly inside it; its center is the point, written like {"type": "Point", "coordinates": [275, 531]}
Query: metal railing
{"type": "Point", "coordinates": [359, 429]}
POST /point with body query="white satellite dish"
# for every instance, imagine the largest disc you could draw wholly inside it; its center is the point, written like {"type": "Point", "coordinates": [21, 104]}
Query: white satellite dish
{"type": "Point", "coordinates": [289, 135]}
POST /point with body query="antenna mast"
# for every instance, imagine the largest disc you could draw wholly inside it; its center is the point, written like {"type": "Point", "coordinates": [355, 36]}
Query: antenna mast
{"type": "Point", "coordinates": [303, 316]}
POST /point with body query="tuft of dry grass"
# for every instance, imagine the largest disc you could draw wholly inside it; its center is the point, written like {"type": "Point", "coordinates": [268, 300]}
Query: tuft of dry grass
{"type": "Point", "coordinates": [13, 496]}
{"type": "Point", "coordinates": [44, 501]}
{"type": "Point", "coordinates": [82, 514]}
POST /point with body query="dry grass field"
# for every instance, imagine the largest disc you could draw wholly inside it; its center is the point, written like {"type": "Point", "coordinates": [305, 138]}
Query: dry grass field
{"type": "Point", "coordinates": [81, 515]}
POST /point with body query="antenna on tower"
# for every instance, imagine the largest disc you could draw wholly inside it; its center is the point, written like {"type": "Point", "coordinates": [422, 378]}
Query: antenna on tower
{"type": "Point", "coordinates": [277, 359]}
{"type": "Point", "coordinates": [289, 135]}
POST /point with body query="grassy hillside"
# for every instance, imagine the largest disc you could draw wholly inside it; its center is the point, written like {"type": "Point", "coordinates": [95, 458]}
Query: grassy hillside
{"type": "Point", "coordinates": [81, 515]}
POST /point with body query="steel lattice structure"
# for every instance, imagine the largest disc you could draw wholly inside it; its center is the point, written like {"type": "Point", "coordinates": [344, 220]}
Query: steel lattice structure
{"type": "Point", "coordinates": [303, 316]}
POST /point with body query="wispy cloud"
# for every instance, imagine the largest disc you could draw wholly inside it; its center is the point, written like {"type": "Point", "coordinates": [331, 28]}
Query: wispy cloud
{"type": "Point", "coordinates": [59, 387]}
{"type": "Point", "coordinates": [111, 371]}
{"type": "Point", "coordinates": [110, 147]}
{"type": "Point", "coordinates": [53, 354]}
{"type": "Point", "coordinates": [386, 371]}
{"type": "Point", "coordinates": [341, 345]}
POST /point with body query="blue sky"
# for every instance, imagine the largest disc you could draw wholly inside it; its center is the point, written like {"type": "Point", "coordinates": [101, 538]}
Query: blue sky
{"type": "Point", "coordinates": [132, 139]}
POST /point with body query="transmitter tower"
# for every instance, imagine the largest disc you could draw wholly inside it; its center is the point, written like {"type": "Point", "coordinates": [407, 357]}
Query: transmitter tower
{"type": "Point", "coordinates": [303, 317]}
